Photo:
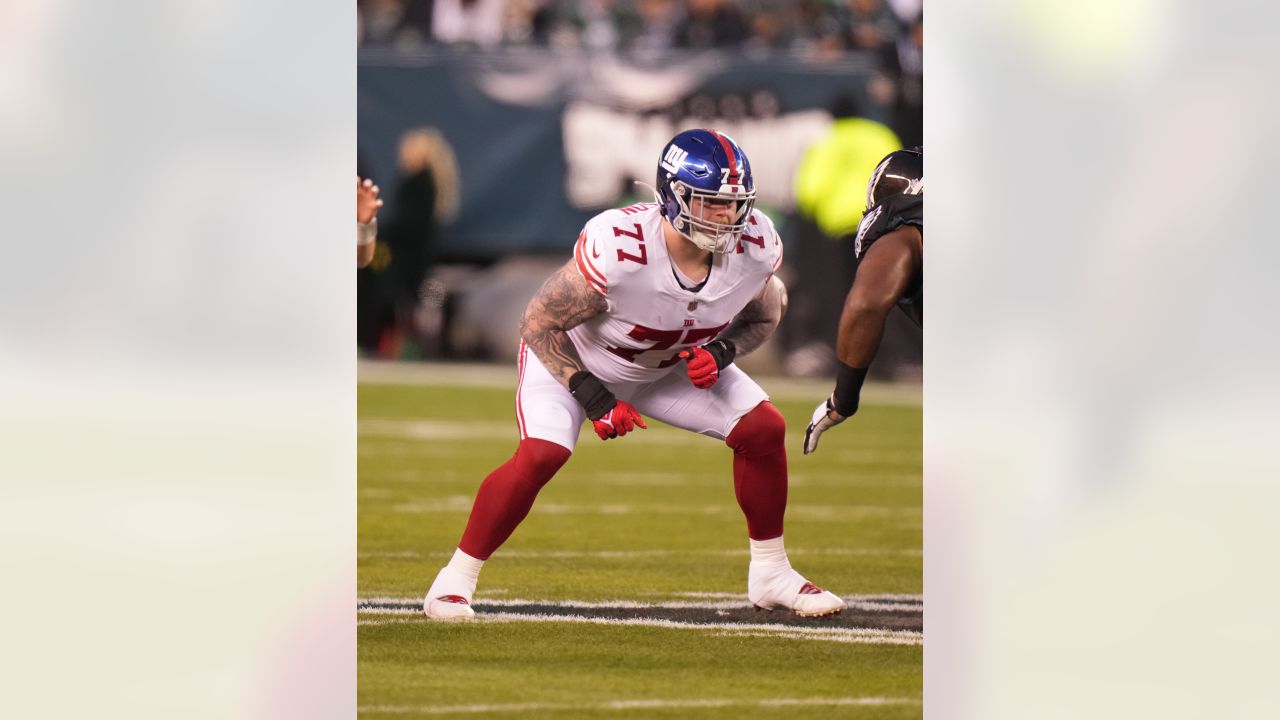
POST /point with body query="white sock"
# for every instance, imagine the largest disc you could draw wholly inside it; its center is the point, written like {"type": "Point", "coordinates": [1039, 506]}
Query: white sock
{"type": "Point", "coordinates": [769, 552]}
{"type": "Point", "coordinates": [465, 565]}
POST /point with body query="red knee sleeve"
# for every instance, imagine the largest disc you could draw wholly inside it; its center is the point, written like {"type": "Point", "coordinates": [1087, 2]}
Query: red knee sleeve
{"type": "Point", "coordinates": [505, 497]}
{"type": "Point", "coordinates": [760, 432]}
{"type": "Point", "coordinates": [760, 469]}
{"type": "Point", "coordinates": [537, 461]}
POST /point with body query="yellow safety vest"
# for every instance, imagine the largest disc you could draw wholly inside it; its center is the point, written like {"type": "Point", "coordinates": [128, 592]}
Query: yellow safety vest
{"type": "Point", "coordinates": [831, 182]}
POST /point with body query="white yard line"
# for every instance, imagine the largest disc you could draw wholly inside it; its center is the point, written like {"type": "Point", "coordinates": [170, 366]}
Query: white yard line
{"type": "Point", "coordinates": [868, 639]}
{"type": "Point", "coordinates": [629, 554]}
{"type": "Point", "coordinates": [423, 429]}
{"type": "Point", "coordinates": [884, 597]}
{"type": "Point", "coordinates": [398, 610]}
{"type": "Point", "coordinates": [503, 376]}
{"type": "Point", "coordinates": [420, 431]}
{"type": "Point", "coordinates": [727, 601]}
{"type": "Point", "coordinates": [462, 503]}
{"type": "Point", "coordinates": [643, 704]}
{"type": "Point", "coordinates": [396, 606]}
{"type": "Point", "coordinates": [835, 634]}
{"type": "Point", "coordinates": [375, 611]}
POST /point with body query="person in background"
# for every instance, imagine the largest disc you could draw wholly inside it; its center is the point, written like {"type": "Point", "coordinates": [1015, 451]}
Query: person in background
{"type": "Point", "coordinates": [367, 204]}
{"type": "Point", "coordinates": [393, 23]}
{"type": "Point", "coordinates": [426, 196]}
{"type": "Point", "coordinates": [711, 24]}
{"type": "Point", "coordinates": [480, 22]}
{"type": "Point", "coordinates": [870, 25]}
{"type": "Point", "coordinates": [908, 111]}
{"type": "Point", "coordinates": [829, 188]}
{"type": "Point", "coordinates": [659, 21]}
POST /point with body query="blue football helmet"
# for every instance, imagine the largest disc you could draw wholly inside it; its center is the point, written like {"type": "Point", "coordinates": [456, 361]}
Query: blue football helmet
{"type": "Point", "coordinates": [707, 166]}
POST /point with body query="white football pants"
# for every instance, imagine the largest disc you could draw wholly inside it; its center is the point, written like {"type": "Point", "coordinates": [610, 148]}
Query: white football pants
{"type": "Point", "coordinates": [547, 411]}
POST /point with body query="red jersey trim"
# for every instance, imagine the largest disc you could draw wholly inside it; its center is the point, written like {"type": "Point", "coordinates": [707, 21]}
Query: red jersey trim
{"type": "Point", "coordinates": [594, 277]}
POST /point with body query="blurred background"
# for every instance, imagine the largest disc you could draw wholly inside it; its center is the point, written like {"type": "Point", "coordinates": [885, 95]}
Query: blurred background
{"type": "Point", "coordinates": [177, 385]}
{"type": "Point", "coordinates": [497, 128]}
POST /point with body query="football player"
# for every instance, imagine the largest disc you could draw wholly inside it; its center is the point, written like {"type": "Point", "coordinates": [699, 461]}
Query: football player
{"type": "Point", "coordinates": [646, 319]}
{"type": "Point", "coordinates": [890, 251]}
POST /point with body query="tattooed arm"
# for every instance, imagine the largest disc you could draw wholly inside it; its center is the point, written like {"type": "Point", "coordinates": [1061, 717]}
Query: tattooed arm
{"type": "Point", "coordinates": [565, 301]}
{"type": "Point", "coordinates": [758, 319]}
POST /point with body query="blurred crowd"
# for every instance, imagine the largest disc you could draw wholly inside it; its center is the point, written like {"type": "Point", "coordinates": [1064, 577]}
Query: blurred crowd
{"type": "Point", "coordinates": [809, 26]}
{"type": "Point", "coordinates": [416, 301]}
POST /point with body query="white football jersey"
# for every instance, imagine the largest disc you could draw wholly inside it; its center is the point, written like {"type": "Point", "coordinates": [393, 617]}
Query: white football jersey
{"type": "Point", "coordinates": [622, 255]}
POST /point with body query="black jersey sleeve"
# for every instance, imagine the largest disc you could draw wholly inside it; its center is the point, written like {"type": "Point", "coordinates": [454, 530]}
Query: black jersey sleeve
{"type": "Point", "coordinates": [889, 215]}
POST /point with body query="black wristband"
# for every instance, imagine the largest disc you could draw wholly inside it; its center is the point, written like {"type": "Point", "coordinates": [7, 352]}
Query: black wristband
{"type": "Point", "coordinates": [848, 387]}
{"type": "Point", "coordinates": [724, 351]}
{"type": "Point", "coordinates": [591, 394]}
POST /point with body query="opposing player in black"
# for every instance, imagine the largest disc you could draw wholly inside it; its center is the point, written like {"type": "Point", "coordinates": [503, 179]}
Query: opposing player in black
{"type": "Point", "coordinates": [890, 251]}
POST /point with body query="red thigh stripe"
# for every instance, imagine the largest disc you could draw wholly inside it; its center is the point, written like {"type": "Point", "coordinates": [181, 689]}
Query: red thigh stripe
{"type": "Point", "coordinates": [520, 388]}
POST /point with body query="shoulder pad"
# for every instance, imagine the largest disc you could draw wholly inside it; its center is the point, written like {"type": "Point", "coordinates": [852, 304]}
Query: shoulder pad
{"type": "Point", "coordinates": [889, 215]}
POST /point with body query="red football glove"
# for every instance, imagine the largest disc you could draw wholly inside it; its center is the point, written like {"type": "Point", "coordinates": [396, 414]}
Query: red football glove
{"type": "Point", "coordinates": [619, 421]}
{"type": "Point", "coordinates": [702, 367]}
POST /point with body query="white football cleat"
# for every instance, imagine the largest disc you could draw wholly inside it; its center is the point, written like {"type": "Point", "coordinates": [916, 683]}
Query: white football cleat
{"type": "Point", "coordinates": [449, 597]}
{"type": "Point", "coordinates": [782, 587]}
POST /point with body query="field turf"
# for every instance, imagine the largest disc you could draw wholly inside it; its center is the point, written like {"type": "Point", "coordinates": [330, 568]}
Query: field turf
{"type": "Point", "coordinates": [624, 592]}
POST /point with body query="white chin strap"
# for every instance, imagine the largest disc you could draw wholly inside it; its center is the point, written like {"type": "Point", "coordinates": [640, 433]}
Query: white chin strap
{"type": "Point", "coordinates": [707, 241]}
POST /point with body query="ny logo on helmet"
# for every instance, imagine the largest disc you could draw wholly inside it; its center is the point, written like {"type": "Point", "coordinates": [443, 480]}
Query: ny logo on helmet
{"type": "Point", "coordinates": [674, 157]}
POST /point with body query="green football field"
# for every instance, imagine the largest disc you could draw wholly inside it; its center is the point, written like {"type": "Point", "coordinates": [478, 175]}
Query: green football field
{"type": "Point", "coordinates": [624, 592]}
